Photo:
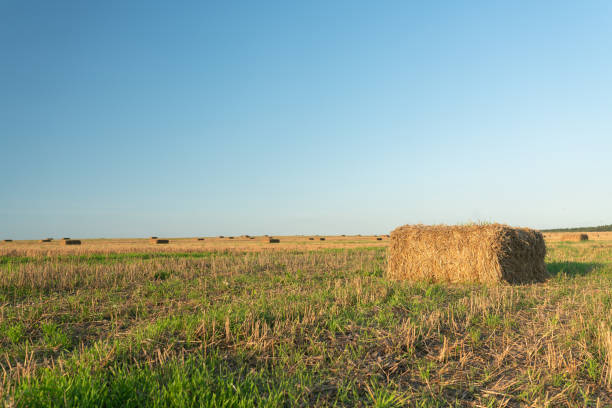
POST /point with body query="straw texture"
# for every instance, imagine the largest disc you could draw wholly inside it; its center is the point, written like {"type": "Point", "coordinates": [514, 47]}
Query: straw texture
{"type": "Point", "coordinates": [473, 253]}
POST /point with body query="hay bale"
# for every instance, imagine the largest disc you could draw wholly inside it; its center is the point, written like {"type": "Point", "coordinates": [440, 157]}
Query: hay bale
{"type": "Point", "coordinates": [70, 242]}
{"type": "Point", "coordinates": [274, 240]}
{"type": "Point", "coordinates": [160, 241]}
{"type": "Point", "coordinates": [378, 238]}
{"type": "Point", "coordinates": [200, 239]}
{"type": "Point", "coordinates": [45, 240]}
{"type": "Point", "coordinates": [251, 237]}
{"type": "Point", "coordinates": [221, 236]}
{"type": "Point", "coordinates": [152, 237]}
{"type": "Point", "coordinates": [472, 253]}
{"type": "Point", "coordinates": [574, 237]}
{"type": "Point", "coordinates": [231, 237]}
{"type": "Point", "coordinates": [311, 238]}
{"type": "Point", "coordinates": [7, 240]}
{"type": "Point", "coordinates": [322, 238]}
{"type": "Point", "coordinates": [65, 239]}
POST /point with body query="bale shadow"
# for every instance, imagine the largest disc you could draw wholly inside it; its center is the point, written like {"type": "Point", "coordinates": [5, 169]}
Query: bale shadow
{"type": "Point", "coordinates": [571, 269]}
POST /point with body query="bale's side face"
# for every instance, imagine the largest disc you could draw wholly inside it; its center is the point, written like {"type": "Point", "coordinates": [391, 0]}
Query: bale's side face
{"type": "Point", "coordinates": [474, 253]}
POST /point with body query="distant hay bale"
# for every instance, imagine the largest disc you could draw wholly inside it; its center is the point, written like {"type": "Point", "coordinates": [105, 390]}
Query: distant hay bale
{"type": "Point", "coordinates": [200, 239]}
{"type": "Point", "coordinates": [152, 237]}
{"type": "Point", "coordinates": [311, 238]}
{"type": "Point", "coordinates": [231, 237]}
{"type": "Point", "coordinates": [7, 240]}
{"type": "Point", "coordinates": [274, 240]}
{"type": "Point", "coordinates": [221, 236]}
{"type": "Point", "coordinates": [472, 253]}
{"type": "Point", "coordinates": [574, 237]}
{"type": "Point", "coordinates": [160, 241]}
{"type": "Point", "coordinates": [322, 238]}
{"type": "Point", "coordinates": [378, 238]}
{"type": "Point", "coordinates": [251, 237]}
{"type": "Point", "coordinates": [45, 240]}
{"type": "Point", "coordinates": [70, 242]}
{"type": "Point", "coordinates": [65, 239]}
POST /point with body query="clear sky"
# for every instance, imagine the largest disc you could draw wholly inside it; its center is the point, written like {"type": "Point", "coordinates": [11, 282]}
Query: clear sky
{"type": "Point", "coordinates": [126, 119]}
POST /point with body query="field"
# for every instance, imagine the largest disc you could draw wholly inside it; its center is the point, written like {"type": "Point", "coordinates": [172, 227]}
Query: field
{"type": "Point", "coordinates": [242, 322]}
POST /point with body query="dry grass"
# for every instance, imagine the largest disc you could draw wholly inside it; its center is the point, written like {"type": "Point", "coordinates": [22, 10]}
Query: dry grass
{"type": "Point", "coordinates": [472, 253]}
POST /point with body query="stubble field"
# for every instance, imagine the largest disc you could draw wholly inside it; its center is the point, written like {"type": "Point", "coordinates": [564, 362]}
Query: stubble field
{"type": "Point", "coordinates": [242, 322]}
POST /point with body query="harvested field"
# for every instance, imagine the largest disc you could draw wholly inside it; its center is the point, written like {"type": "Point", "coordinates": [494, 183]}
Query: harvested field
{"type": "Point", "coordinates": [185, 245]}
{"type": "Point", "coordinates": [299, 323]}
{"type": "Point", "coordinates": [474, 253]}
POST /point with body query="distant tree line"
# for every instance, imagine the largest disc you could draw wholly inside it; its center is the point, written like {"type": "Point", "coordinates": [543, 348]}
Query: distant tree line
{"type": "Point", "coordinates": [586, 229]}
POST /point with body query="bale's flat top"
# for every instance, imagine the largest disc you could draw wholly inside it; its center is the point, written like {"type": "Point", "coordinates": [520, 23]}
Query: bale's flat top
{"type": "Point", "coordinates": [453, 229]}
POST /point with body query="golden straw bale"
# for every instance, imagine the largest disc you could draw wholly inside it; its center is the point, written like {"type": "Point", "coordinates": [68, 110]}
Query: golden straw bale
{"type": "Point", "coordinates": [160, 241]}
{"type": "Point", "coordinates": [578, 236]}
{"type": "Point", "coordinates": [70, 242]}
{"type": "Point", "coordinates": [472, 253]}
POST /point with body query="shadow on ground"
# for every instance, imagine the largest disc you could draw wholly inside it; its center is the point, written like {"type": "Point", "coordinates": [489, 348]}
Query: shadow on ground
{"type": "Point", "coordinates": [571, 268]}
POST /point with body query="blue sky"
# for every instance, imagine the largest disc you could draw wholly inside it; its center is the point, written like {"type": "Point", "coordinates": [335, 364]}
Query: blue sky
{"type": "Point", "coordinates": [125, 119]}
